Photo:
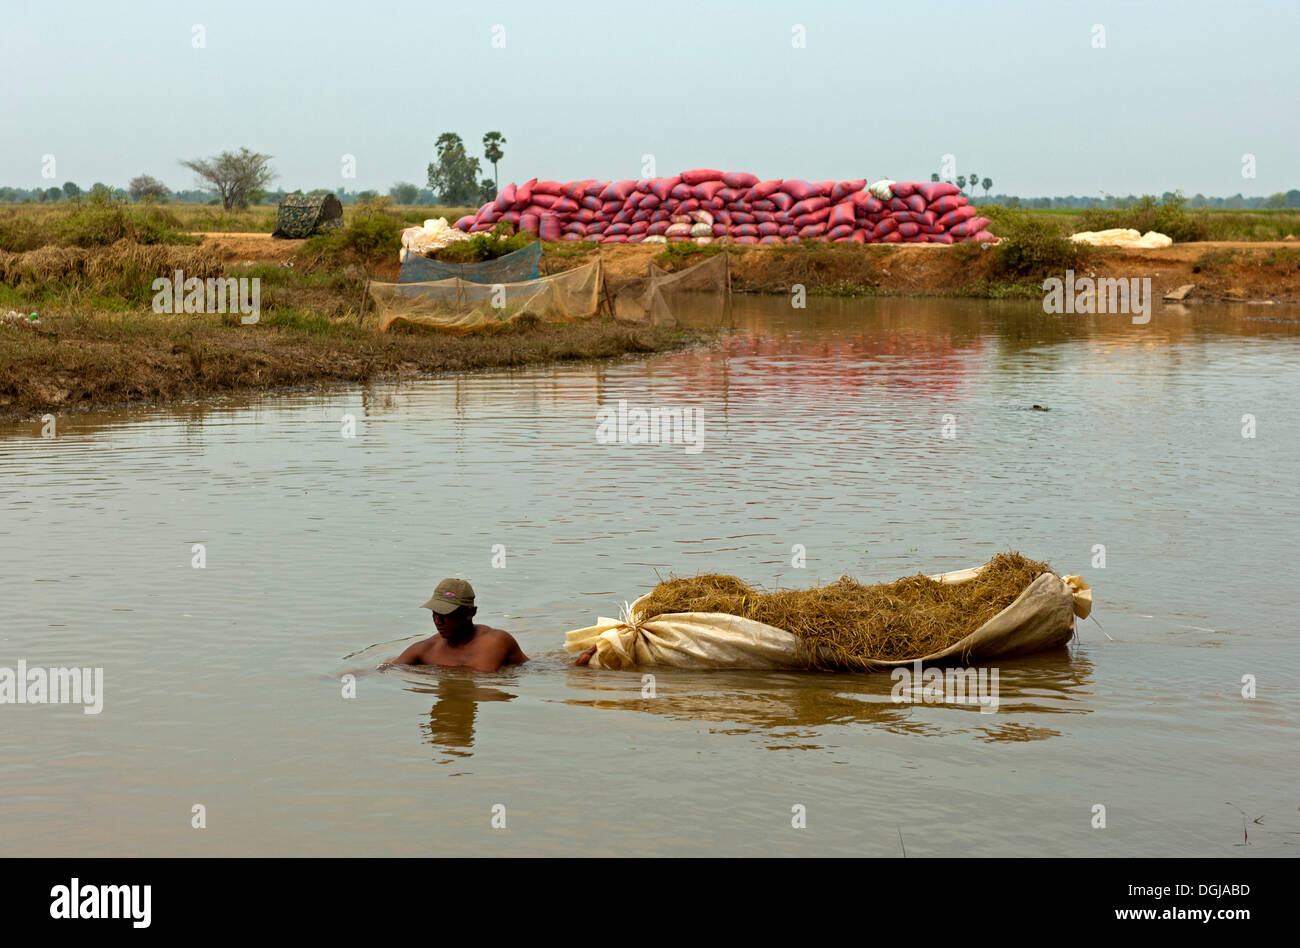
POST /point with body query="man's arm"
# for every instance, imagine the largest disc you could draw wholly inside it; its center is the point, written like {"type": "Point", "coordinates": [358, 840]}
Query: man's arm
{"type": "Point", "coordinates": [412, 655]}
{"type": "Point", "coordinates": [514, 655]}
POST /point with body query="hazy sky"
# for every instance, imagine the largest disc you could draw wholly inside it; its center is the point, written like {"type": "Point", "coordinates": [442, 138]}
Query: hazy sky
{"type": "Point", "coordinates": [1015, 91]}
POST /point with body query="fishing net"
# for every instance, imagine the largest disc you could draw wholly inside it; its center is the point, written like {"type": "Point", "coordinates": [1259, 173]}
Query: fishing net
{"type": "Point", "coordinates": [516, 267]}
{"type": "Point", "coordinates": [703, 290]}
{"type": "Point", "coordinates": [460, 306]}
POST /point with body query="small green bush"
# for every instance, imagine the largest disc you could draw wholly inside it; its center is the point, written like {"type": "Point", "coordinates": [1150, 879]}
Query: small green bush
{"type": "Point", "coordinates": [486, 245]}
{"type": "Point", "coordinates": [1031, 247]}
{"type": "Point", "coordinates": [373, 232]}
{"type": "Point", "coordinates": [102, 221]}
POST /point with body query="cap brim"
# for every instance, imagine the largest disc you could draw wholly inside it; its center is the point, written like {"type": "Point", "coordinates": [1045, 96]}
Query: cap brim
{"type": "Point", "coordinates": [440, 606]}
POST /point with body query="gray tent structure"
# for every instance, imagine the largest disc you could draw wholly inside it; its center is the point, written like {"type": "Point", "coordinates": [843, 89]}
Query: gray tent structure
{"type": "Point", "coordinates": [306, 215]}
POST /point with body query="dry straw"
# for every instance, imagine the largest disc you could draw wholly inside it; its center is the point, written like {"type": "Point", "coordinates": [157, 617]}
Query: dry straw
{"type": "Point", "coordinates": [847, 624]}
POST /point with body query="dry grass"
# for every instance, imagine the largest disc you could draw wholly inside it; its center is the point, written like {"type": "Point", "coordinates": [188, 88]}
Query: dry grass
{"type": "Point", "coordinates": [847, 624]}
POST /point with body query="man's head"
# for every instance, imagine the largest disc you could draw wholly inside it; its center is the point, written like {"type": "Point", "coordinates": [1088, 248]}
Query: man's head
{"type": "Point", "coordinates": [453, 608]}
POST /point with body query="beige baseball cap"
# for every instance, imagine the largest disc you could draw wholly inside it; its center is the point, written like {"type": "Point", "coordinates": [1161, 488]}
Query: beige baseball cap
{"type": "Point", "coordinates": [450, 595]}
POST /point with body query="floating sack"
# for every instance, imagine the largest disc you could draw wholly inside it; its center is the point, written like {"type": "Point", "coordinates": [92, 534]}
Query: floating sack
{"type": "Point", "coordinates": [1016, 607]}
{"type": "Point", "coordinates": [701, 175]}
{"type": "Point", "coordinates": [882, 189]}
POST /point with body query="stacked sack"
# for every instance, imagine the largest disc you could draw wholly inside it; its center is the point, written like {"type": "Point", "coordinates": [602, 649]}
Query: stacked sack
{"type": "Point", "coordinates": [704, 205]}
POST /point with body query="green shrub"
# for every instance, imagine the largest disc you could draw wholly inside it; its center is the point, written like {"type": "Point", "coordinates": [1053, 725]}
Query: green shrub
{"type": "Point", "coordinates": [373, 232]}
{"type": "Point", "coordinates": [1031, 247]}
{"type": "Point", "coordinates": [103, 221]}
{"type": "Point", "coordinates": [1168, 216]}
{"type": "Point", "coordinates": [486, 245]}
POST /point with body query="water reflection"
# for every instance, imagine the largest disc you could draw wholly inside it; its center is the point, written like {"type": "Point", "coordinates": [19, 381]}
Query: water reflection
{"type": "Point", "coordinates": [452, 718]}
{"type": "Point", "coordinates": [785, 707]}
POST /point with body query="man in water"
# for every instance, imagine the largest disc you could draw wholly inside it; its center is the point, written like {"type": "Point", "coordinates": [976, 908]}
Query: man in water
{"type": "Point", "coordinates": [459, 642]}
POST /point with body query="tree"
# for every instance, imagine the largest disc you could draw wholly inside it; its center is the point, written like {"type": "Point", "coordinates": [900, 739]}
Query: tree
{"type": "Point", "coordinates": [487, 191]}
{"type": "Point", "coordinates": [492, 143]}
{"type": "Point", "coordinates": [403, 192]}
{"type": "Point", "coordinates": [51, 194]}
{"type": "Point", "coordinates": [234, 176]}
{"type": "Point", "coordinates": [1293, 198]}
{"type": "Point", "coordinates": [961, 181]}
{"type": "Point", "coordinates": [70, 190]}
{"type": "Point", "coordinates": [147, 188]}
{"type": "Point", "coordinates": [974, 181]}
{"type": "Point", "coordinates": [454, 176]}
{"type": "Point", "coordinates": [934, 176]}
{"type": "Point", "coordinates": [1276, 200]}
{"type": "Point", "coordinates": [986, 184]}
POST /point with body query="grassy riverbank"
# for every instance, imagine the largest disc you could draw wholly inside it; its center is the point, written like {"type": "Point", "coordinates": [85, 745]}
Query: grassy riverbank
{"type": "Point", "coordinates": [84, 360]}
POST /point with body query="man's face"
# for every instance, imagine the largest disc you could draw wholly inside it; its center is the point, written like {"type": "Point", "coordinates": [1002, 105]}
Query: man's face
{"type": "Point", "coordinates": [455, 625]}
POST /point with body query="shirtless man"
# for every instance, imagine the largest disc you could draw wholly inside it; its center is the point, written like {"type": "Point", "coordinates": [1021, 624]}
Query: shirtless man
{"type": "Point", "coordinates": [459, 642]}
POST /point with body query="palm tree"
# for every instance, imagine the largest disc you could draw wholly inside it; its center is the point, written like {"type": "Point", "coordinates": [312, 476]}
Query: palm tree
{"type": "Point", "coordinates": [492, 143]}
{"type": "Point", "coordinates": [935, 176]}
{"type": "Point", "coordinates": [961, 181]}
{"type": "Point", "coordinates": [987, 183]}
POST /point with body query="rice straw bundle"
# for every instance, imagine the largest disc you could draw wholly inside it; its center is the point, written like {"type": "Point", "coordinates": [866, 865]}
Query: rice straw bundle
{"type": "Point", "coordinates": [847, 623]}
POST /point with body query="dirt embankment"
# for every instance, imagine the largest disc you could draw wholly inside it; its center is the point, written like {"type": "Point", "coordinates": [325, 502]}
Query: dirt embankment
{"type": "Point", "coordinates": [1217, 270]}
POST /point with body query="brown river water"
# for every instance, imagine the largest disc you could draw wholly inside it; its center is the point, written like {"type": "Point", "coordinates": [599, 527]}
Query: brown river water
{"type": "Point", "coordinates": [822, 428]}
